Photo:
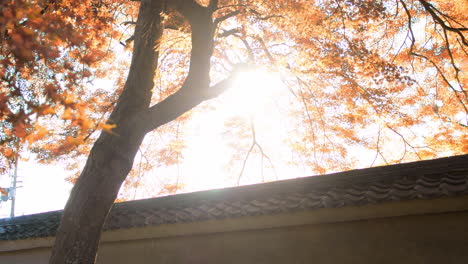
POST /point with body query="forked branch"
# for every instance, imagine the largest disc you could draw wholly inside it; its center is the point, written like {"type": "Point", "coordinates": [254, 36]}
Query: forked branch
{"type": "Point", "coordinates": [262, 153]}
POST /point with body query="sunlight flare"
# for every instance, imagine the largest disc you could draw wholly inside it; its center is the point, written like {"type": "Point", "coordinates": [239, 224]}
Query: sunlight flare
{"type": "Point", "coordinates": [253, 90]}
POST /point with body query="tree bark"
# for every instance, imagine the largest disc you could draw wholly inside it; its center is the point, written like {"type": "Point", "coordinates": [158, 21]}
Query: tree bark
{"type": "Point", "coordinates": [111, 157]}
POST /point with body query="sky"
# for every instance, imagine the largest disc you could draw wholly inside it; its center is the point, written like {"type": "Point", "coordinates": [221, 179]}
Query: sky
{"type": "Point", "coordinates": [43, 187]}
{"type": "Point", "coordinates": [258, 95]}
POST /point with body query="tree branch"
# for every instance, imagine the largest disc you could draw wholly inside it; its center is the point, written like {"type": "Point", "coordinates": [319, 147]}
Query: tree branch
{"type": "Point", "coordinates": [262, 153]}
{"type": "Point", "coordinates": [432, 11]}
{"type": "Point", "coordinates": [180, 102]}
{"type": "Point", "coordinates": [227, 16]}
{"type": "Point", "coordinates": [227, 33]}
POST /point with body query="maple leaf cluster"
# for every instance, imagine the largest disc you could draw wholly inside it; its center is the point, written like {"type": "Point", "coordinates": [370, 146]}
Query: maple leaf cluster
{"type": "Point", "coordinates": [387, 77]}
{"type": "Point", "coordinates": [48, 55]}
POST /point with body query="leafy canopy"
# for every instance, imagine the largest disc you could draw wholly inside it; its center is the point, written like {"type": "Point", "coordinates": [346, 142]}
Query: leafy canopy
{"type": "Point", "coordinates": [387, 77]}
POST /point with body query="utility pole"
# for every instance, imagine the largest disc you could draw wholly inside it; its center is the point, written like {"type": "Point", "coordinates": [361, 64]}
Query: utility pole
{"type": "Point", "coordinates": [13, 187]}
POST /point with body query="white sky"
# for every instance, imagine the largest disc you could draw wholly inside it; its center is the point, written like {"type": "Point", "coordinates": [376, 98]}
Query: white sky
{"type": "Point", "coordinates": [44, 188]}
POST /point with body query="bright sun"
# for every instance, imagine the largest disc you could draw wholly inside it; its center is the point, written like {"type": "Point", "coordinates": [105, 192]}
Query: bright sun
{"type": "Point", "coordinates": [258, 96]}
{"type": "Point", "coordinates": [253, 91]}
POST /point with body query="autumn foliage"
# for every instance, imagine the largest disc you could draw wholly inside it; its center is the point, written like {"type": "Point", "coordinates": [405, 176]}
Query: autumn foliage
{"type": "Point", "coordinates": [381, 77]}
{"type": "Point", "coordinates": [361, 83]}
{"type": "Point", "coordinates": [50, 52]}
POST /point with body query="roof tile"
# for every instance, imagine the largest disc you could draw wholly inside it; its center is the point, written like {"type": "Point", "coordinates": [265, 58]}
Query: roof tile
{"type": "Point", "coordinates": [416, 180]}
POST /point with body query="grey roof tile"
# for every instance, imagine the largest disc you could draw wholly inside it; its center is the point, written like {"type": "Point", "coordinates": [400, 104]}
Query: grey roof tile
{"type": "Point", "coordinates": [417, 180]}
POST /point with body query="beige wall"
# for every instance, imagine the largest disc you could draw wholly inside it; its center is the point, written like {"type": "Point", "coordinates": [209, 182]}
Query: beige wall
{"type": "Point", "coordinates": [29, 256]}
{"type": "Point", "coordinates": [430, 238]}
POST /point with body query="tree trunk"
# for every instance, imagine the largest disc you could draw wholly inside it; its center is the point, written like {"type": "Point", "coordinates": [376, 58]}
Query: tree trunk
{"type": "Point", "coordinates": [112, 155]}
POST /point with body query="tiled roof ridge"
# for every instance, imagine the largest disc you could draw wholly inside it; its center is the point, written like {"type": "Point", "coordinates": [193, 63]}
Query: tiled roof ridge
{"type": "Point", "coordinates": [351, 177]}
{"type": "Point", "coordinates": [415, 180]}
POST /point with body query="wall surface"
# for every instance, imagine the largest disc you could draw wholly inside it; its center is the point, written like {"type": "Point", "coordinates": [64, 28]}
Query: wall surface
{"type": "Point", "coordinates": [29, 256]}
{"type": "Point", "coordinates": [429, 238]}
